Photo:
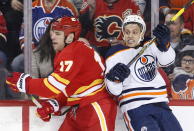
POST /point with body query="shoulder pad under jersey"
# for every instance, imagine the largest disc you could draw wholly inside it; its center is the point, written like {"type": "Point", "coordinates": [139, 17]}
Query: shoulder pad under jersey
{"type": "Point", "coordinates": [115, 49]}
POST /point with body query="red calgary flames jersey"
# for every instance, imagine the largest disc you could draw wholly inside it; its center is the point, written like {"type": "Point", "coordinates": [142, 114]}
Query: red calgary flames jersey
{"type": "Point", "coordinates": [78, 74]}
{"type": "Point", "coordinates": [107, 21]}
{"type": "Point", "coordinates": [3, 27]}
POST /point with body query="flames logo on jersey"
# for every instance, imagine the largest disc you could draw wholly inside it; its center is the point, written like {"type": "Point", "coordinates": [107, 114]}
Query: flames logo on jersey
{"type": "Point", "coordinates": [107, 27]}
{"type": "Point", "coordinates": [145, 68]}
{"type": "Point", "coordinates": [40, 27]}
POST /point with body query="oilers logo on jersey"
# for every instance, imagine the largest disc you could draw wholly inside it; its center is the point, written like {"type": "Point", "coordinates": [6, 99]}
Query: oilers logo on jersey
{"type": "Point", "coordinates": [145, 68]}
{"type": "Point", "coordinates": [40, 27]}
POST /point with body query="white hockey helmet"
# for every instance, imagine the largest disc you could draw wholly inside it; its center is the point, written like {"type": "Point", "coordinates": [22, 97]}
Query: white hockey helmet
{"type": "Point", "coordinates": [135, 19]}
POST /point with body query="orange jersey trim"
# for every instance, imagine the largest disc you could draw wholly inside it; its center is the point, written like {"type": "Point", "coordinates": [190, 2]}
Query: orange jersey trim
{"type": "Point", "coordinates": [144, 93]}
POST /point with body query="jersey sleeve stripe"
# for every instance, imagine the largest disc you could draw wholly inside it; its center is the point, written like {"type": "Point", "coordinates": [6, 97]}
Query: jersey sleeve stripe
{"type": "Point", "coordinates": [50, 87]}
{"type": "Point", "coordinates": [123, 103]}
{"type": "Point", "coordinates": [144, 89]}
{"type": "Point", "coordinates": [84, 88]}
{"type": "Point", "coordinates": [166, 64]}
{"type": "Point", "coordinates": [100, 116]}
{"type": "Point", "coordinates": [142, 93]}
{"type": "Point", "coordinates": [86, 93]}
{"type": "Point", "coordinates": [57, 85]}
{"type": "Point", "coordinates": [60, 79]}
{"type": "Point", "coordinates": [73, 98]}
{"type": "Point", "coordinates": [97, 91]}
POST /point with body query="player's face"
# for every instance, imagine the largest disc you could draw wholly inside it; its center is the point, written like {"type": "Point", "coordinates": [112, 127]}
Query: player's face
{"type": "Point", "coordinates": [187, 63]}
{"type": "Point", "coordinates": [132, 34]}
{"type": "Point", "coordinates": [57, 38]}
{"type": "Point", "coordinates": [175, 27]}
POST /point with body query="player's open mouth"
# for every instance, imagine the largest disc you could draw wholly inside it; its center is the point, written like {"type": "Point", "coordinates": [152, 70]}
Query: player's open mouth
{"type": "Point", "coordinates": [131, 41]}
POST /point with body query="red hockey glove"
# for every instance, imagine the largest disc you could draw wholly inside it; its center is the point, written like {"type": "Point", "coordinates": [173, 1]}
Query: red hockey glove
{"type": "Point", "coordinates": [18, 81]}
{"type": "Point", "coordinates": [48, 107]}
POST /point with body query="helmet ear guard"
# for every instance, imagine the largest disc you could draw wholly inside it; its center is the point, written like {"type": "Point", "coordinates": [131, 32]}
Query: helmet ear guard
{"type": "Point", "coordinates": [68, 25]}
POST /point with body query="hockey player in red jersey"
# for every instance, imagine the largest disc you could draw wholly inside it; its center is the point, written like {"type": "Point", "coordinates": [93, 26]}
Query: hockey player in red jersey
{"type": "Point", "coordinates": [78, 75]}
{"type": "Point", "coordinates": [141, 90]}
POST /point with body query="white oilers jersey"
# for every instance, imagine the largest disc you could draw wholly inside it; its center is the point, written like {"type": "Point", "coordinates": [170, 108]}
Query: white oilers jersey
{"type": "Point", "coordinates": [144, 84]}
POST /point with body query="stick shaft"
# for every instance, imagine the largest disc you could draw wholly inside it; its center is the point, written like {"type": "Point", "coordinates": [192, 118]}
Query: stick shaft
{"type": "Point", "coordinates": [35, 101]}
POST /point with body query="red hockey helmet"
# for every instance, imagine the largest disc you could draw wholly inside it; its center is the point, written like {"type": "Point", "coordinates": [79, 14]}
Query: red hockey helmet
{"type": "Point", "coordinates": [68, 25]}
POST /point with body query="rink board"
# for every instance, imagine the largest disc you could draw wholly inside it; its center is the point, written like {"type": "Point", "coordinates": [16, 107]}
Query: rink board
{"type": "Point", "coordinates": [20, 116]}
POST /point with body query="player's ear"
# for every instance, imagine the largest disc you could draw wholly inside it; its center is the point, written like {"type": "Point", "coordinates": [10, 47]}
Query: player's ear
{"type": "Point", "coordinates": [142, 36]}
{"type": "Point", "coordinates": [123, 35]}
{"type": "Point", "coordinates": [69, 38]}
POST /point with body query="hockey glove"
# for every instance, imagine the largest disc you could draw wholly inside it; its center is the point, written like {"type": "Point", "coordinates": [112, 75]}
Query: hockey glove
{"type": "Point", "coordinates": [162, 34]}
{"type": "Point", "coordinates": [18, 81]}
{"type": "Point", "coordinates": [118, 73]}
{"type": "Point", "coordinates": [48, 107]}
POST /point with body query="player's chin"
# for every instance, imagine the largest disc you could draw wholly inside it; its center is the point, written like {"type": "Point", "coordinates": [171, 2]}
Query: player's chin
{"type": "Point", "coordinates": [130, 44]}
{"type": "Point", "coordinates": [54, 46]}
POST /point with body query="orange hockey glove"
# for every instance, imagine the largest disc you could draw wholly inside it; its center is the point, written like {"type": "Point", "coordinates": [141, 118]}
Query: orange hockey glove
{"type": "Point", "coordinates": [48, 107]}
{"type": "Point", "coordinates": [18, 82]}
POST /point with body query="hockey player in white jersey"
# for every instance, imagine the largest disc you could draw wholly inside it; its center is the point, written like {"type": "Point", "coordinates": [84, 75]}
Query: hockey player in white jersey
{"type": "Point", "coordinates": [141, 90]}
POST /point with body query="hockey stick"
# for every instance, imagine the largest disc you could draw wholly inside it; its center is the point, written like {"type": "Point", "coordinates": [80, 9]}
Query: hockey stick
{"type": "Point", "coordinates": [37, 103]}
{"type": "Point", "coordinates": [179, 13]}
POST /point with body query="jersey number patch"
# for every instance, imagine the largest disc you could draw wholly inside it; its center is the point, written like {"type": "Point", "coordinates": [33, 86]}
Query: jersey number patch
{"type": "Point", "coordinates": [68, 65]}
